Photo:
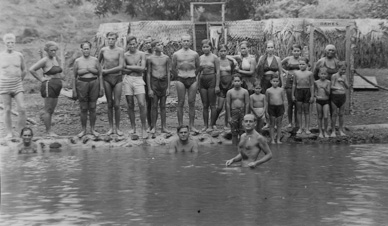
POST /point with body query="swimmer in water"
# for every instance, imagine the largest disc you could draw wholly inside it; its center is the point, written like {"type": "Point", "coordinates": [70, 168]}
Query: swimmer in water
{"type": "Point", "coordinates": [250, 146]}
{"type": "Point", "coordinates": [183, 143]}
{"type": "Point", "coordinates": [27, 146]}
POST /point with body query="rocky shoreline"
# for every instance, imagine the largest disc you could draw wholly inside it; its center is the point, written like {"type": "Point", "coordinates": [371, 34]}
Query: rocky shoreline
{"type": "Point", "coordinates": [362, 134]}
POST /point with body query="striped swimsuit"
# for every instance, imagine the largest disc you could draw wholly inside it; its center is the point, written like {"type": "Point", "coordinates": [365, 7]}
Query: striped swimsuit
{"type": "Point", "coordinates": [11, 85]}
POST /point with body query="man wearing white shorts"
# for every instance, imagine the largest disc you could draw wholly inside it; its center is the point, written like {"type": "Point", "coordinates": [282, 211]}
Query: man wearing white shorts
{"type": "Point", "coordinates": [134, 85]}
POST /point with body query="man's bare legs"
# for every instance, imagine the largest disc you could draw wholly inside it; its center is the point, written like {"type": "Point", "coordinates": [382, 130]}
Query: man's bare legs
{"type": "Point", "coordinates": [143, 113]}
{"type": "Point", "coordinates": [49, 107]}
{"type": "Point", "coordinates": [154, 110]}
{"type": "Point", "coordinates": [192, 91]}
{"type": "Point", "coordinates": [7, 101]}
{"type": "Point", "coordinates": [117, 98]}
{"type": "Point", "coordinates": [181, 92]}
{"type": "Point", "coordinates": [109, 100]}
{"type": "Point", "coordinates": [113, 98]}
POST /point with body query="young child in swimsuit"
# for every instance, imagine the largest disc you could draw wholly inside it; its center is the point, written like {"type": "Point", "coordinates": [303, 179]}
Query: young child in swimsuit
{"type": "Point", "coordinates": [302, 90]}
{"type": "Point", "coordinates": [339, 84]}
{"type": "Point", "coordinates": [258, 106]}
{"type": "Point", "coordinates": [322, 92]}
{"type": "Point", "coordinates": [275, 97]}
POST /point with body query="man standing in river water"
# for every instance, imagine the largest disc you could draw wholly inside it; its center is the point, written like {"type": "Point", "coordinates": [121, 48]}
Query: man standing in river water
{"type": "Point", "coordinates": [185, 62]}
{"type": "Point", "coordinates": [183, 143]}
{"type": "Point", "coordinates": [250, 145]}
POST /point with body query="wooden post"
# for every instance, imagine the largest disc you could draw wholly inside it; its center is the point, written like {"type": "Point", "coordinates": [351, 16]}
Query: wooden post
{"type": "Point", "coordinates": [348, 70]}
{"type": "Point", "coordinates": [311, 44]}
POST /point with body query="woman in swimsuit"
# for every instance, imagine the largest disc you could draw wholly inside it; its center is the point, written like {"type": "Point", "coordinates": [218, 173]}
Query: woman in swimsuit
{"type": "Point", "coordinates": [290, 65]}
{"type": "Point", "coordinates": [246, 69]}
{"type": "Point", "coordinates": [268, 65]}
{"type": "Point", "coordinates": [227, 68]}
{"type": "Point", "coordinates": [209, 80]}
{"type": "Point", "coordinates": [329, 61]}
{"type": "Point", "coordinates": [51, 82]}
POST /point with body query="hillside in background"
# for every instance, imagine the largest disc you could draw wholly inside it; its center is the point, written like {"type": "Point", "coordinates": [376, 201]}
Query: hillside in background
{"type": "Point", "coordinates": [36, 21]}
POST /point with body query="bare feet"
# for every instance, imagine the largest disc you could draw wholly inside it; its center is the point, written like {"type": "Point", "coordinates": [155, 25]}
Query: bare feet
{"type": "Point", "coordinates": [204, 129]}
{"type": "Point", "coordinates": [333, 134]}
{"type": "Point", "coordinates": [52, 134]}
{"type": "Point", "coordinates": [289, 125]}
{"type": "Point", "coordinates": [165, 130]}
{"type": "Point", "coordinates": [153, 134]}
{"type": "Point", "coordinates": [81, 134]}
{"type": "Point", "coordinates": [308, 132]}
{"type": "Point", "coordinates": [279, 142]}
{"type": "Point", "coordinates": [342, 133]}
{"type": "Point", "coordinates": [214, 127]}
{"type": "Point", "coordinates": [299, 131]}
{"type": "Point", "coordinates": [132, 131]}
{"type": "Point", "coordinates": [110, 132]}
{"type": "Point", "coordinates": [327, 134]}
{"type": "Point", "coordinates": [209, 130]}
{"type": "Point", "coordinates": [273, 142]}
{"type": "Point", "coordinates": [144, 135]}
{"type": "Point", "coordinates": [194, 131]}
{"type": "Point", "coordinates": [119, 132]}
{"type": "Point", "coordinates": [320, 135]}
{"type": "Point", "coordinates": [94, 133]}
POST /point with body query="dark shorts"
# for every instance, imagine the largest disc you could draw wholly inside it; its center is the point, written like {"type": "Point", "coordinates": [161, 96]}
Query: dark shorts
{"type": "Point", "coordinates": [208, 81]}
{"type": "Point", "coordinates": [322, 102]}
{"type": "Point", "coordinates": [275, 110]}
{"type": "Point", "coordinates": [159, 86]}
{"type": "Point", "coordinates": [303, 95]}
{"type": "Point", "coordinates": [224, 88]}
{"type": "Point", "coordinates": [113, 79]}
{"type": "Point", "coordinates": [237, 116]}
{"type": "Point", "coordinates": [338, 99]}
{"type": "Point", "coordinates": [51, 88]}
{"type": "Point", "coordinates": [187, 81]}
{"type": "Point", "coordinates": [88, 89]}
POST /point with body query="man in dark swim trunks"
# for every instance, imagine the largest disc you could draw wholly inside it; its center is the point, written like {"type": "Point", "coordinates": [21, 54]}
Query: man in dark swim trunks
{"type": "Point", "coordinates": [112, 59]}
{"type": "Point", "coordinates": [148, 52]}
{"type": "Point", "coordinates": [250, 146]}
{"type": "Point", "coordinates": [87, 86]}
{"type": "Point", "coordinates": [158, 70]}
{"type": "Point", "coordinates": [186, 64]}
{"type": "Point", "coordinates": [329, 61]}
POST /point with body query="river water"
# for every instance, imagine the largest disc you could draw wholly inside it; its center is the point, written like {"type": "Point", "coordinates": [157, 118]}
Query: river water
{"type": "Point", "coordinates": [301, 185]}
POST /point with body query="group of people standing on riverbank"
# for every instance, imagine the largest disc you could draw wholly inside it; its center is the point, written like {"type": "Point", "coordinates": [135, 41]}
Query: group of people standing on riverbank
{"type": "Point", "coordinates": [240, 83]}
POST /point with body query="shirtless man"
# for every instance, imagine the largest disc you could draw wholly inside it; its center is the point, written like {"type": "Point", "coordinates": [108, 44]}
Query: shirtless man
{"type": "Point", "coordinates": [158, 80]}
{"type": "Point", "coordinates": [112, 61]}
{"type": "Point", "coordinates": [87, 87]}
{"type": "Point", "coordinates": [250, 146]}
{"type": "Point", "coordinates": [237, 105]}
{"type": "Point", "coordinates": [134, 85]}
{"type": "Point", "coordinates": [183, 143]}
{"type": "Point", "coordinates": [330, 62]}
{"type": "Point", "coordinates": [12, 73]}
{"type": "Point", "coordinates": [186, 64]}
{"type": "Point", "coordinates": [148, 52]}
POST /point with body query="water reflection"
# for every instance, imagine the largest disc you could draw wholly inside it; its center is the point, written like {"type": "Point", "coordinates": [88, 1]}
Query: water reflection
{"type": "Point", "coordinates": [301, 185]}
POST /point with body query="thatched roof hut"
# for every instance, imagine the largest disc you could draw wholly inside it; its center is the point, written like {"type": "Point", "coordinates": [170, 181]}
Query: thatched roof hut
{"type": "Point", "coordinates": [369, 36]}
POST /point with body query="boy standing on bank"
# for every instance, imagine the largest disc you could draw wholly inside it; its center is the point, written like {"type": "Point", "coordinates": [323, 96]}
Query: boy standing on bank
{"type": "Point", "coordinates": [258, 106]}
{"type": "Point", "coordinates": [322, 94]}
{"type": "Point", "coordinates": [302, 90]}
{"type": "Point", "coordinates": [158, 80]}
{"type": "Point", "coordinates": [275, 97]}
{"type": "Point", "coordinates": [339, 84]}
{"type": "Point", "coordinates": [237, 105]}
